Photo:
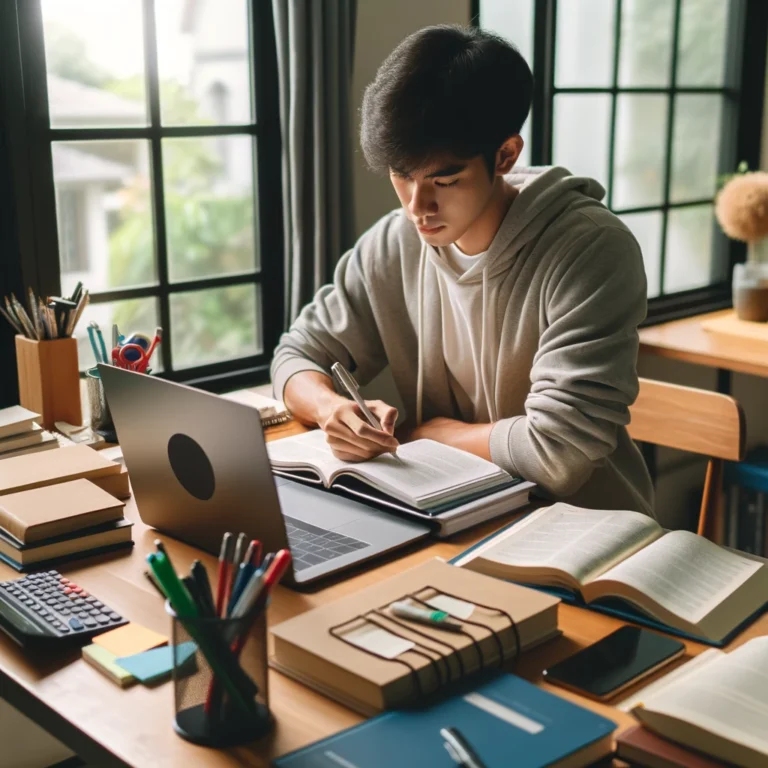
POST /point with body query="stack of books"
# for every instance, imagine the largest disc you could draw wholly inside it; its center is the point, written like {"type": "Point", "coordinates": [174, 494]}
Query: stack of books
{"type": "Point", "coordinates": [45, 525]}
{"type": "Point", "coordinates": [19, 434]}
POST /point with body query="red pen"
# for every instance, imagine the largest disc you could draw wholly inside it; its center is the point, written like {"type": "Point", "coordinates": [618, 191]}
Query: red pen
{"type": "Point", "coordinates": [223, 585]}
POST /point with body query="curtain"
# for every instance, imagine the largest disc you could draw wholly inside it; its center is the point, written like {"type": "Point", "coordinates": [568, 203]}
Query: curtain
{"type": "Point", "coordinates": [314, 43]}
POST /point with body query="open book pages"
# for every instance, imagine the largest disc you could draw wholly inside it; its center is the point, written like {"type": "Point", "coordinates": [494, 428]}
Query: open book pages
{"type": "Point", "coordinates": [425, 473]}
{"type": "Point", "coordinates": [678, 578]}
{"type": "Point", "coordinates": [719, 707]}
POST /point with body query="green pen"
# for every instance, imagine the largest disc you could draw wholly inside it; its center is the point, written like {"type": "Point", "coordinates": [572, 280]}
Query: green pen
{"type": "Point", "coordinates": [239, 686]}
{"type": "Point", "coordinates": [434, 618]}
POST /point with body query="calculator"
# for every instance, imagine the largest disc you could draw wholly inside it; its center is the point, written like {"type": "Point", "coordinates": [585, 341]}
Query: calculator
{"type": "Point", "coordinates": [46, 608]}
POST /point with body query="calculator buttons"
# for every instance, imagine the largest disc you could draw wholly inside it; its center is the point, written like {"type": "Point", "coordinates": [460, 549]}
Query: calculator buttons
{"type": "Point", "coordinates": [75, 624]}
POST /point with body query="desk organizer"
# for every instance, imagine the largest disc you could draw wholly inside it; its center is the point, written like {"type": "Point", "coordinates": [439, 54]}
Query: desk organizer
{"type": "Point", "coordinates": [49, 379]}
{"type": "Point", "coordinates": [206, 711]}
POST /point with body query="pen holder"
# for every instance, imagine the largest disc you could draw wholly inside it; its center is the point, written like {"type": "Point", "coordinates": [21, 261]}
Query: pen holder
{"type": "Point", "coordinates": [205, 712]}
{"type": "Point", "coordinates": [49, 379]}
{"type": "Point", "coordinates": [101, 418]}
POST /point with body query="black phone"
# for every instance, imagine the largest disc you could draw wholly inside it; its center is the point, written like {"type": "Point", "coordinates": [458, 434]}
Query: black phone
{"type": "Point", "coordinates": [612, 664]}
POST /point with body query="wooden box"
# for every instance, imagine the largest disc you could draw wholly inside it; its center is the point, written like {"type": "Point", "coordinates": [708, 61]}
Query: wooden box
{"type": "Point", "coordinates": [49, 379]}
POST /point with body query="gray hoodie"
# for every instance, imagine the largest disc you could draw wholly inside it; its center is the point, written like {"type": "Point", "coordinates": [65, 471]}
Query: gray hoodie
{"type": "Point", "coordinates": [563, 291]}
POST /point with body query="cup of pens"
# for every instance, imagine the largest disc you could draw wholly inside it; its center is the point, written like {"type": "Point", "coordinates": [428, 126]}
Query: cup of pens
{"type": "Point", "coordinates": [223, 698]}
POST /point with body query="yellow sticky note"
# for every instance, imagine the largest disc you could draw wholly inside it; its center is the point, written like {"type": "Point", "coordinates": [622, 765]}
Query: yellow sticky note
{"type": "Point", "coordinates": [129, 640]}
{"type": "Point", "coordinates": [104, 661]}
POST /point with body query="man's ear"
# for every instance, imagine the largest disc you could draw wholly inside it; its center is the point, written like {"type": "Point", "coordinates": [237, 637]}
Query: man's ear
{"type": "Point", "coordinates": [507, 154]}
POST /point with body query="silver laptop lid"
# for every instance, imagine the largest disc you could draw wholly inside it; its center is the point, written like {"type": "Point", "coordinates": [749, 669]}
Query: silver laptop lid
{"type": "Point", "coordinates": [197, 462]}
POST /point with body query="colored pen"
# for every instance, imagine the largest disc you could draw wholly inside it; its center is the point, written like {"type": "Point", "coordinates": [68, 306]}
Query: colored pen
{"type": "Point", "coordinates": [240, 547]}
{"type": "Point", "coordinates": [200, 574]}
{"type": "Point", "coordinates": [151, 579]}
{"type": "Point", "coordinates": [439, 619]}
{"type": "Point", "coordinates": [244, 573]}
{"type": "Point", "coordinates": [460, 749]}
{"type": "Point", "coordinates": [225, 555]}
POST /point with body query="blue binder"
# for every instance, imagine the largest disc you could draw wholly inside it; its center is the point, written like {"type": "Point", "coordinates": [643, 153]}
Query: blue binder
{"type": "Point", "coordinates": [616, 606]}
{"type": "Point", "coordinates": [507, 721]}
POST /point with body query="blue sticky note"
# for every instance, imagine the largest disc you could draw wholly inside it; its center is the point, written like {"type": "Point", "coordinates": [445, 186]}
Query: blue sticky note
{"type": "Point", "coordinates": [152, 665]}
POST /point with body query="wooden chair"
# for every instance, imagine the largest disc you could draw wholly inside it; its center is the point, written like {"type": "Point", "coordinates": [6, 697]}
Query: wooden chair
{"type": "Point", "coordinates": [698, 421]}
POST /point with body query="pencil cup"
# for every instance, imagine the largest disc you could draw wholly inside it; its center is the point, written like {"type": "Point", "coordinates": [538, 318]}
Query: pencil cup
{"type": "Point", "coordinates": [49, 379]}
{"type": "Point", "coordinates": [230, 706]}
{"type": "Point", "coordinates": [101, 418]}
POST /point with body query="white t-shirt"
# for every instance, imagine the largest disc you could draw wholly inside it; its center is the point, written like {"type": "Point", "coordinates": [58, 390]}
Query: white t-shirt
{"type": "Point", "coordinates": [462, 332]}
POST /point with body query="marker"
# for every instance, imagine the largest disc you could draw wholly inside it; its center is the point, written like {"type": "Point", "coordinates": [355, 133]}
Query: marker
{"type": "Point", "coordinates": [222, 587]}
{"type": "Point", "coordinates": [439, 619]}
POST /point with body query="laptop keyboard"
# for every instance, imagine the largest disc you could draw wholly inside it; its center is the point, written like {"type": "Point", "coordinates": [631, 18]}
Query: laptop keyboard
{"type": "Point", "coordinates": [311, 545]}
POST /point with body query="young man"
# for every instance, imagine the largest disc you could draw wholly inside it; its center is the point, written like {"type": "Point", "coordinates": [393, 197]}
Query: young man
{"type": "Point", "coordinates": [506, 304]}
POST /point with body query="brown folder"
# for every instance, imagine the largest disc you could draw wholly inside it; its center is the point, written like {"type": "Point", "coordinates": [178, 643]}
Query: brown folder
{"type": "Point", "coordinates": [639, 746]}
{"type": "Point", "coordinates": [315, 649]}
{"type": "Point", "coordinates": [35, 470]}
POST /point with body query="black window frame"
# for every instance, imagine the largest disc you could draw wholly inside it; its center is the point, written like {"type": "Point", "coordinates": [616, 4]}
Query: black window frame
{"type": "Point", "coordinates": [746, 54]}
{"type": "Point", "coordinates": [32, 181]}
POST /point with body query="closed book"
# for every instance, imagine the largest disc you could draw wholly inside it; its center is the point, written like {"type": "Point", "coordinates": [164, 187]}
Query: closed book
{"type": "Point", "coordinates": [24, 440]}
{"type": "Point", "coordinates": [118, 485]}
{"type": "Point", "coordinates": [21, 473]}
{"type": "Point", "coordinates": [358, 652]}
{"type": "Point", "coordinates": [16, 420]}
{"type": "Point", "coordinates": [507, 722]}
{"type": "Point", "coordinates": [54, 510]}
{"type": "Point", "coordinates": [76, 544]}
{"type": "Point", "coordinates": [47, 442]}
{"type": "Point", "coordinates": [640, 746]}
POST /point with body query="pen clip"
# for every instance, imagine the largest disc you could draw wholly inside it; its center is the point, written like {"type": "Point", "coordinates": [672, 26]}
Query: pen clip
{"type": "Point", "coordinates": [345, 378]}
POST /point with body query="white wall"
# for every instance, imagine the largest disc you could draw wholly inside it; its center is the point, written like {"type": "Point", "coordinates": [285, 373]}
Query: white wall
{"type": "Point", "coordinates": [380, 27]}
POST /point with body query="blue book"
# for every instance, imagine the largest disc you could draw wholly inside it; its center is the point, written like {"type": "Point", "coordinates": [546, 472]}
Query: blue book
{"type": "Point", "coordinates": [506, 720]}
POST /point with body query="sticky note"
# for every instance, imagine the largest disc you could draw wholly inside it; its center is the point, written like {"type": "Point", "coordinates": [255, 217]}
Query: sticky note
{"type": "Point", "coordinates": [104, 661]}
{"type": "Point", "coordinates": [370, 637]}
{"type": "Point", "coordinates": [129, 640]}
{"type": "Point", "coordinates": [153, 665]}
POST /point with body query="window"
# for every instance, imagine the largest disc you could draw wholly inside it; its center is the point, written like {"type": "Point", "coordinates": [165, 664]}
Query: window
{"type": "Point", "coordinates": [655, 100]}
{"type": "Point", "coordinates": [156, 122]}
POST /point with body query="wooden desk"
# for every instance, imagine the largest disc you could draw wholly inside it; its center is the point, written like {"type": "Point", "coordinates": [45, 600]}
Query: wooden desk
{"type": "Point", "coordinates": [108, 726]}
{"type": "Point", "coordinates": [686, 340]}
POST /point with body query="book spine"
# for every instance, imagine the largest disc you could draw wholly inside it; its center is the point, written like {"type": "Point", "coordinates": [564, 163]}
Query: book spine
{"type": "Point", "coordinates": [11, 524]}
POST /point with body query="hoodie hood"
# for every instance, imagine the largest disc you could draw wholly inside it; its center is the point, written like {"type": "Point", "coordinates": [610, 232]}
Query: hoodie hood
{"type": "Point", "coordinates": [545, 192]}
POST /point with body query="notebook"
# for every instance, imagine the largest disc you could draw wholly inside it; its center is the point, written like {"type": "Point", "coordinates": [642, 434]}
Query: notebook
{"type": "Point", "coordinates": [426, 475]}
{"type": "Point", "coordinates": [718, 707]}
{"type": "Point", "coordinates": [32, 436]}
{"type": "Point", "coordinates": [639, 746]}
{"type": "Point", "coordinates": [507, 721]}
{"type": "Point", "coordinates": [16, 420]}
{"type": "Point", "coordinates": [271, 411]}
{"type": "Point", "coordinates": [355, 651]}
{"type": "Point", "coordinates": [677, 578]}
{"type": "Point", "coordinates": [24, 472]}
{"type": "Point", "coordinates": [117, 485]}
{"type": "Point", "coordinates": [54, 510]}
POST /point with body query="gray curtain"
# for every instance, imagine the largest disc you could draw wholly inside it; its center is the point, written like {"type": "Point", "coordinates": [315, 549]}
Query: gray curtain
{"type": "Point", "coordinates": [314, 41]}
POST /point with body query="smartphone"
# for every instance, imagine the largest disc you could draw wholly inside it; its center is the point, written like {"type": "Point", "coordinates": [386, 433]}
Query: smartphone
{"type": "Point", "coordinates": [612, 664]}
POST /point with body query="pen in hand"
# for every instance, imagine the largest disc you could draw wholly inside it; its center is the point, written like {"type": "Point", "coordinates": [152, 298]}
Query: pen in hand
{"type": "Point", "coordinates": [348, 383]}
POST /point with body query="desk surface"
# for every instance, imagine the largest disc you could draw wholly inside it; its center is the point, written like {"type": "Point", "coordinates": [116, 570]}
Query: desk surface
{"type": "Point", "coordinates": [686, 340]}
{"type": "Point", "coordinates": [109, 726]}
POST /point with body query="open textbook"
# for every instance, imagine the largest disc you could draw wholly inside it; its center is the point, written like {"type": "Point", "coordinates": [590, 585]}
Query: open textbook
{"type": "Point", "coordinates": [717, 703]}
{"type": "Point", "coordinates": [677, 577]}
{"type": "Point", "coordinates": [426, 475]}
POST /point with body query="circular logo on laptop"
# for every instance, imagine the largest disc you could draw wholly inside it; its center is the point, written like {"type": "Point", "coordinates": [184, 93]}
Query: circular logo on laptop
{"type": "Point", "coordinates": [191, 466]}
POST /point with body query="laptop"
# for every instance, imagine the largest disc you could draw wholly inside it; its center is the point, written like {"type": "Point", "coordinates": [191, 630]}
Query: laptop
{"type": "Point", "coordinates": [199, 467]}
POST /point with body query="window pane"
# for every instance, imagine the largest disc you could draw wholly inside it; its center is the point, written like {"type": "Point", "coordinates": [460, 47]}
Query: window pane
{"type": "Point", "coordinates": [104, 214]}
{"type": "Point", "coordinates": [204, 62]}
{"type": "Point", "coordinates": [94, 55]}
{"type": "Point", "coordinates": [695, 146]}
{"type": "Point", "coordinates": [581, 131]}
{"type": "Point", "coordinates": [513, 20]}
{"type": "Point", "coordinates": [641, 126]}
{"type": "Point", "coordinates": [209, 206]}
{"type": "Point", "coordinates": [217, 324]}
{"type": "Point", "coordinates": [133, 316]}
{"type": "Point", "coordinates": [702, 45]}
{"type": "Point", "coordinates": [689, 249]}
{"type": "Point", "coordinates": [646, 227]}
{"type": "Point", "coordinates": [646, 43]}
{"type": "Point", "coordinates": [584, 43]}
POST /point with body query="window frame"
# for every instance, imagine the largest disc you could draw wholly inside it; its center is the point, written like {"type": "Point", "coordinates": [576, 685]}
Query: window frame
{"type": "Point", "coordinates": [747, 44]}
{"type": "Point", "coordinates": [39, 246]}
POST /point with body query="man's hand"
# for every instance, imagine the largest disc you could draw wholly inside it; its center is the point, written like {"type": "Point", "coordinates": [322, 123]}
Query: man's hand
{"type": "Point", "coordinates": [473, 438]}
{"type": "Point", "coordinates": [350, 436]}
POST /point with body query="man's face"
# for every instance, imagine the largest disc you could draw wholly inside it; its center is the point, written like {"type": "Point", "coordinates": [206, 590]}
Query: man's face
{"type": "Point", "coordinates": [444, 200]}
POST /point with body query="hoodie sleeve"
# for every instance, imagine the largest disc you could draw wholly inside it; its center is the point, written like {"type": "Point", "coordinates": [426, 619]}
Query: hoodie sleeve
{"type": "Point", "coordinates": [584, 374]}
{"type": "Point", "coordinates": [339, 324]}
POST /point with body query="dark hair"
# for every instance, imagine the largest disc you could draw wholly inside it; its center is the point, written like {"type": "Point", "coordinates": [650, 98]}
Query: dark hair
{"type": "Point", "coordinates": [444, 89]}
